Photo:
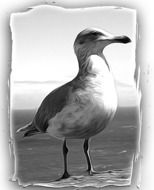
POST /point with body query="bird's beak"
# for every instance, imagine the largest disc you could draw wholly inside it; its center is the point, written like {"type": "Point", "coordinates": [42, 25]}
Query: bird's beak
{"type": "Point", "coordinates": [121, 39]}
{"type": "Point", "coordinates": [115, 39]}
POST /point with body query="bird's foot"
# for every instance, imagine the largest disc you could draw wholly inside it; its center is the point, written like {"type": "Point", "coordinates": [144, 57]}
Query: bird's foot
{"type": "Point", "coordinates": [64, 176]}
{"type": "Point", "coordinates": [92, 172]}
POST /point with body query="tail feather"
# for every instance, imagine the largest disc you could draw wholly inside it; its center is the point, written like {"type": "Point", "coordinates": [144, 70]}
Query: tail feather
{"type": "Point", "coordinates": [29, 130]}
{"type": "Point", "coordinates": [24, 128]}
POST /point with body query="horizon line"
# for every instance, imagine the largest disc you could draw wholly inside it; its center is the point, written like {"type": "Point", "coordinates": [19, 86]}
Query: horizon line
{"type": "Point", "coordinates": [35, 109]}
{"type": "Point", "coordinates": [61, 81]}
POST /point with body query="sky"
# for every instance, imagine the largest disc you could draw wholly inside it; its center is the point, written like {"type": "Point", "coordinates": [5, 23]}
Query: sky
{"type": "Point", "coordinates": [43, 57]}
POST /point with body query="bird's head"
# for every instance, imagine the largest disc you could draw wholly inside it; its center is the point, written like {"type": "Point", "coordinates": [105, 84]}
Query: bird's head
{"type": "Point", "coordinates": [93, 41]}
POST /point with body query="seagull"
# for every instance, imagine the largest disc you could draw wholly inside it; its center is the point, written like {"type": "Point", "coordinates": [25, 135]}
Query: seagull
{"type": "Point", "coordinates": [84, 106]}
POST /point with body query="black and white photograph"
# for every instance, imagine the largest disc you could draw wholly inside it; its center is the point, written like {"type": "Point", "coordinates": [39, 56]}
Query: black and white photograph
{"type": "Point", "coordinates": [74, 101]}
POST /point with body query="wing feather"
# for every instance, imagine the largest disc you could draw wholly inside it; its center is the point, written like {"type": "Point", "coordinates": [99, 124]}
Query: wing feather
{"type": "Point", "coordinates": [51, 105]}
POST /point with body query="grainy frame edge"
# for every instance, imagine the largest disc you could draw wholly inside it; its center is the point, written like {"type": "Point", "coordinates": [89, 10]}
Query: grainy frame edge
{"type": "Point", "coordinates": [138, 85]}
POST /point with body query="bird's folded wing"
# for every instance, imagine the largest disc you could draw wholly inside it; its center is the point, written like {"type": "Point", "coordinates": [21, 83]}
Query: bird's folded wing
{"type": "Point", "coordinates": [51, 105]}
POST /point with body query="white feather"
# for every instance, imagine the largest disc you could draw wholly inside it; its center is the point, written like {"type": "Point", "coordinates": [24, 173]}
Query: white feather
{"type": "Point", "coordinates": [97, 102]}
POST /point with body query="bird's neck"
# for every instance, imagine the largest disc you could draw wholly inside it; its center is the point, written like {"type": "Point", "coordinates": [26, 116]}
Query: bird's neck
{"type": "Point", "coordinates": [86, 65]}
{"type": "Point", "coordinates": [84, 53]}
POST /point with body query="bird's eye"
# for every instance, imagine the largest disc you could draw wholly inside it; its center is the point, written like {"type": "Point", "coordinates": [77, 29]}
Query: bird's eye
{"type": "Point", "coordinates": [81, 42]}
{"type": "Point", "coordinates": [94, 34]}
{"type": "Point", "coordinates": [89, 37]}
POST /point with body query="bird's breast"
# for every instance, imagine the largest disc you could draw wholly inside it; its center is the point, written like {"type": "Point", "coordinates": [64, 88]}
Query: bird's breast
{"type": "Point", "coordinates": [101, 84]}
{"type": "Point", "coordinates": [88, 110]}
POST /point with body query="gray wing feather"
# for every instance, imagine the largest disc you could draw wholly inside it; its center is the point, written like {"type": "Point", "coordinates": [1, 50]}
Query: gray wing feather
{"type": "Point", "coordinates": [51, 105]}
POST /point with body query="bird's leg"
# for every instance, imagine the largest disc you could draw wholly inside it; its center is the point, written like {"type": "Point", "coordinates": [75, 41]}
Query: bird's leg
{"type": "Point", "coordinates": [90, 169]}
{"type": "Point", "coordinates": [65, 151]}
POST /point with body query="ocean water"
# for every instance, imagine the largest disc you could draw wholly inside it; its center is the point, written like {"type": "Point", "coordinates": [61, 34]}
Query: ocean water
{"type": "Point", "coordinates": [39, 158]}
